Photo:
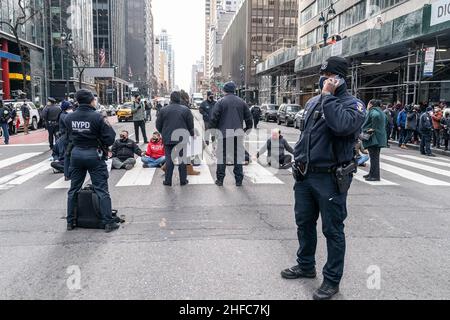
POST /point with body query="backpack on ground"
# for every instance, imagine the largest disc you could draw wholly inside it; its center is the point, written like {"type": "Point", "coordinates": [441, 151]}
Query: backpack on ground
{"type": "Point", "coordinates": [87, 212]}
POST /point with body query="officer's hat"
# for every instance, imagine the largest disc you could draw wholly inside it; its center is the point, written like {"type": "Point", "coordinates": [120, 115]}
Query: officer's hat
{"type": "Point", "coordinates": [52, 100]}
{"type": "Point", "coordinates": [335, 65]}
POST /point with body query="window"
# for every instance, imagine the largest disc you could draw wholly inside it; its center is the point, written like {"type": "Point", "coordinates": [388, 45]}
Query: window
{"type": "Point", "coordinates": [309, 13]}
{"type": "Point", "coordinates": [353, 15]}
{"type": "Point", "coordinates": [323, 4]}
{"type": "Point", "coordinates": [308, 40]}
{"type": "Point", "coordinates": [376, 6]}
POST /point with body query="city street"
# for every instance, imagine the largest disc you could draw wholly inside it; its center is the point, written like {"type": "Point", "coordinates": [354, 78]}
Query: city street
{"type": "Point", "coordinates": [206, 242]}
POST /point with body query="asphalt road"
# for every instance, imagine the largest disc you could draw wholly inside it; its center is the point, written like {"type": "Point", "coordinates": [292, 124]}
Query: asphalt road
{"type": "Point", "coordinates": [205, 242]}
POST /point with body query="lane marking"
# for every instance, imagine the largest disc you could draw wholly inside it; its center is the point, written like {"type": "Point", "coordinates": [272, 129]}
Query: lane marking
{"type": "Point", "coordinates": [205, 176]}
{"type": "Point", "coordinates": [417, 166]}
{"type": "Point", "coordinates": [259, 175]}
{"type": "Point", "coordinates": [360, 177]}
{"type": "Point", "coordinates": [410, 175]}
{"type": "Point", "coordinates": [138, 176]}
{"type": "Point", "coordinates": [427, 160]}
{"type": "Point", "coordinates": [19, 177]}
{"type": "Point", "coordinates": [22, 157]}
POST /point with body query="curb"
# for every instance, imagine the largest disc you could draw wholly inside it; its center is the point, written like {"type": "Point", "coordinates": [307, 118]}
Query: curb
{"type": "Point", "coordinates": [417, 147]}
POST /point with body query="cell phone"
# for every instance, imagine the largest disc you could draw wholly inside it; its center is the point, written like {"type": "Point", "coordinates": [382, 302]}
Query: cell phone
{"type": "Point", "coordinates": [340, 80]}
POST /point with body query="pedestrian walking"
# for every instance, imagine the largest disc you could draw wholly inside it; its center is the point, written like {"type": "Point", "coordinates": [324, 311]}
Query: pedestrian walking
{"type": "Point", "coordinates": [256, 113]}
{"type": "Point", "coordinates": [374, 131]}
{"type": "Point", "coordinates": [324, 164]}
{"type": "Point", "coordinates": [5, 116]}
{"type": "Point", "coordinates": [25, 110]}
{"type": "Point", "coordinates": [426, 131]}
{"type": "Point", "coordinates": [51, 118]}
{"type": "Point", "coordinates": [411, 124]}
{"type": "Point", "coordinates": [437, 117]}
{"type": "Point", "coordinates": [228, 117]}
{"type": "Point", "coordinates": [90, 135]}
{"type": "Point", "coordinates": [123, 152]}
{"type": "Point", "coordinates": [206, 109]}
{"type": "Point", "coordinates": [176, 124]}
{"type": "Point", "coordinates": [148, 111]}
{"type": "Point", "coordinates": [445, 123]}
{"type": "Point", "coordinates": [158, 108]}
{"type": "Point", "coordinates": [401, 121]}
{"type": "Point", "coordinates": [138, 111]}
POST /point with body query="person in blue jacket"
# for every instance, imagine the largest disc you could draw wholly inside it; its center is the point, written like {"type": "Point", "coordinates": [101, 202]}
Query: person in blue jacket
{"type": "Point", "coordinates": [401, 121]}
{"type": "Point", "coordinates": [324, 163]}
{"type": "Point", "coordinates": [90, 135]}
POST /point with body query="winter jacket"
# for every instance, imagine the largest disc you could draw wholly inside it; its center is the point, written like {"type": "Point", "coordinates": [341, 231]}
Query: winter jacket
{"type": "Point", "coordinates": [25, 111]}
{"type": "Point", "coordinates": [125, 149]}
{"type": "Point", "coordinates": [206, 110]}
{"type": "Point", "coordinates": [411, 121]}
{"type": "Point", "coordinates": [425, 123]}
{"type": "Point", "coordinates": [401, 119]}
{"type": "Point", "coordinates": [445, 123]}
{"type": "Point", "coordinates": [376, 120]}
{"type": "Point", "coordinates": [437, 117]}
{"type": "Point", "coordinates": [172, 118]}
{"type": "Point", "coordinates": [256, 112]}
{"type": "Point", "coordinates": [138, 111]}
{"type": "Point", "coordinates": [229, 115]}
{"type": "Point", "coordinates": [155, 150]}
{"type": "Point", "coordinates": [5, 115]}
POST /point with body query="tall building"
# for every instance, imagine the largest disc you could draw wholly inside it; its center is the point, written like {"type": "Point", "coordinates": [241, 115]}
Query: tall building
{"type": "Point", "coordinates": [109, 21]}
{"type": "Point", "coordinates": [74, 20]}
{"type": "Point", "coordinates": [140, 45]}
{"type": "Point", "coordinates": [33, 40]}
{"type": "Point", "coordinates": [258, 29]}
{"type": "Point", "coordinates": [197, 76]}
{"type": "Point", "coordinates": [165, 45]}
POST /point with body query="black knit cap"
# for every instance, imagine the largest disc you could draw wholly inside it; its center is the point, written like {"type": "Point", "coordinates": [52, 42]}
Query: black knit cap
{"type": "Point", "coordinates": [335, 65]}
{"type": "Point", "coordinates": [84, 96]}
{"type": "Point", "coordinates": [175, 97]}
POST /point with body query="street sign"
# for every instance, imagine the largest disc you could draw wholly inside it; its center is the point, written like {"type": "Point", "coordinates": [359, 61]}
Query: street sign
{"type": "Point", "coordinates": [440, 12]}
{"type": "Point", "coordinates": [428, 68]}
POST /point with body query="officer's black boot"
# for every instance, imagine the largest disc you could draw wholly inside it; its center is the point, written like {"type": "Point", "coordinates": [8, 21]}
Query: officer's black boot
{"type": "Point", "coordinates": [219, 183]}
{"type": "Point", "coordinates": [111, 227]}
{"type": "Point", "coordinates": [70, 227]}
{"type": "Point", "coordinates": [326, 291]}
{"type": "Point", "coordinates": [296, 272]}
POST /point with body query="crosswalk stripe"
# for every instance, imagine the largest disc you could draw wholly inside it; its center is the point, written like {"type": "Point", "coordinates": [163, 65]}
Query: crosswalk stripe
{"type": "Point", "coordinates": [430, 161]}
{"type": "Point", "coordinates": [24, 175]}
{"type": "Point", "coordinates": [259, 175]}
{"type": "Point", "coordinates": [138, 176]}
{"type": "Point", "coordinates": [417, 166]}
{"type": "Point", "coordinates": [410, 175]}
{"type": "Point", "coordinates": [360, 177]}
{"type": "Point", "coordinates": [205, 176]}
{"type": "Point", "coordinates": [22, 157]}
{"type": "Point", "coordinates": [63, 184]}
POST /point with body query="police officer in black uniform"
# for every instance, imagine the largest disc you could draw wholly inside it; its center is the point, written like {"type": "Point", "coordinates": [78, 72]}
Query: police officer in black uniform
{"type": "Point", "coordinates": [90, 136]}
{"type": "Point", "coordinates": [51, 117]}
{"type": "Point", "coordinates": [323, 170]}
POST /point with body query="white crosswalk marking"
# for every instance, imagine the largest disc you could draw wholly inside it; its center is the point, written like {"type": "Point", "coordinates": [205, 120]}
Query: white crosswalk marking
{"type": "Point", "coordinates": [417, 166]}
{"type": "Point", "coordinates": [22, 157]}
{"type": "Point", "coordinates": [427, 160]}
{"type": "Point", "coordinates": [24, 175]}
{"type": "Point", "coordinates": [138, 176]}
{"type": "Point", "coordinates": [205, 176]}
{"type": "Point", "coordinates": [63, 184]}
{"type": "Point", "coordinates": [410, 175]}
{"type": "Point", "coordinates": [259, 175]}
{"type": "Point", "coordinates": [360, 177]}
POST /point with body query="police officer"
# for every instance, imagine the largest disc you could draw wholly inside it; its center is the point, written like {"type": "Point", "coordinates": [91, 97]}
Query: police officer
{"type": "Point", "coordinates": [324, 164]}
{"type": "Point", "coordinates": [90, 133]}
{"type": "Point", "coordinates": [51, 118]}
{"type": "Point", "coordinates": [206, 109]}
{"type": "Point", "coordinates": [66, 109]}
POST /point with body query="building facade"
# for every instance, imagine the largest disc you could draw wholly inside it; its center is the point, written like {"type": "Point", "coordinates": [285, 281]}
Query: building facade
{"type": "Point", "coordinates": [166, 46]}
{"type": "Point", "coordinates": [33, 41]}
{"type": "Point", "coordinates": [259, 28]}
{"type": "Point", "coordinates": [140, 46]}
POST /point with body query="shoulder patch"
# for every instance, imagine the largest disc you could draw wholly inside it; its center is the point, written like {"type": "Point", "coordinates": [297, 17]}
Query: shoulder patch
{"type": "Point", "coordinates": [360, 107]}
{"type": "Point", "coordinates": [106, 121]}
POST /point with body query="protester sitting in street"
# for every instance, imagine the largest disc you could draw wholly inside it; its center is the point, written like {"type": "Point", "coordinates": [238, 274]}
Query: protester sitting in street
{"type": "Point", "coordinates": [123, 151]}
{"type": "Point", "coordinates": [59, 155]}
{"type": "Point", "coordinates": [155, 155]}
{"type": "Point", "coordinates": [362, 155]}
{"type": "Point", "coordinates": [275, 147]}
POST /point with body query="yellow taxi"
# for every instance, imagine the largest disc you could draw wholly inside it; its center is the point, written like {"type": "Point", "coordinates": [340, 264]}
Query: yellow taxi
{"type": "Point", "coordinates": [124, 112]}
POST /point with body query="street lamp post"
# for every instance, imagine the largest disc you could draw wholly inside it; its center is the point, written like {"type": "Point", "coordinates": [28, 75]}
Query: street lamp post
{"type": "Point", "coordinates": [324, 21]}
{"type": "Point", "coordinates": [68, 41]}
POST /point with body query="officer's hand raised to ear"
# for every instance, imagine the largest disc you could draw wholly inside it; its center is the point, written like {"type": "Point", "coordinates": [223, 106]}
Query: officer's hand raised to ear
{"type": "Point", "coordinates": [330, 86]}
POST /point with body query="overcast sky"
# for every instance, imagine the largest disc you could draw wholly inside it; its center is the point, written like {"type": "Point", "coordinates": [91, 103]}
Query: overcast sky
{"type": "Point", "coordinates": [185, 22]}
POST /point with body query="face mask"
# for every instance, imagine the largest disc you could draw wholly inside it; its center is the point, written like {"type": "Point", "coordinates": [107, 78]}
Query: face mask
{"type": "Point", "coordinates": [123, 138]}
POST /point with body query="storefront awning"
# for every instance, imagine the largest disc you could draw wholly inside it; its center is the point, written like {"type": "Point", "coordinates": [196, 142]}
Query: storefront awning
{"type": "Point", "coordinates": [10, 56]}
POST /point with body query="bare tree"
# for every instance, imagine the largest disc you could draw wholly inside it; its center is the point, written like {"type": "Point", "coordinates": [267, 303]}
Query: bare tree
{"type": "Point", "coordinates": [81, 60]}
{"type": "Point", "coordinates": [27, 11]}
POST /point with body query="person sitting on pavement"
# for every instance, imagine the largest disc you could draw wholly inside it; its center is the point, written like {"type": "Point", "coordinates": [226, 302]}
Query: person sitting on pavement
{"type": "Point", "coordinates": [362, 155]}
{"type": "Point", "coordinates": [58, 155]}
{"type": "Point", "coordinates": [275, 147]}
{"type": "Point", "coordinates": [155, 155]}
{"type": "Point", "coordinates": [123, 151]}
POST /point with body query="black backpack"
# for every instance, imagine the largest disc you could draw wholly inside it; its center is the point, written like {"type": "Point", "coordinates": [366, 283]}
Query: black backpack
{"type": "Point", "coordinates": [87, 211]}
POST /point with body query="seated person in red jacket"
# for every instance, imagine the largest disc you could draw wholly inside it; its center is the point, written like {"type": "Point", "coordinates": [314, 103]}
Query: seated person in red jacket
{"type": "Point", "coordinates": [155, 155]}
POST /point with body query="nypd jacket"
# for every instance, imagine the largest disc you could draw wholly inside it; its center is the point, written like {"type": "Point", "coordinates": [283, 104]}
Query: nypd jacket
{"type": "Point", "coordinates": [86, 128]}
{"type": "Point", "coordinates": [332, 126]}
{"type": "Point", "coordinates": [425, 123]}
{"type": "Point", "coordinates": [230, 113]}
{"type": "Point", "coordinates": [172, 118]}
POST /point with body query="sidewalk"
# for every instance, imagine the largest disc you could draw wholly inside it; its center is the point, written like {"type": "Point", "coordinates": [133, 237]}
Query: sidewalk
{"type": "Point", "coordinates": [417, 147]}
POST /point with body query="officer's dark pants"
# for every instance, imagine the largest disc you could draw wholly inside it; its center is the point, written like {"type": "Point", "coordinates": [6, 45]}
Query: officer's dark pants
{"type": "Point", "coordinates": [52, 129]}
{"type": "Point", "coordinates": [58, 166]}
{"type": "Point", "coordinates": [173, 152]}
{"type": "Point", "coordinates": [230, 150]}
{"type": "Point", "coordinates": [85, 160]}
{"type": "Point", "coordinates": [256, 122]}
{"type": "Point", "coordinates": [141, 125]}
{"type": "Point", "coordinates": [319, 193]}
{"type": "Point", "coordinates": [5, 130]}
{"type": "Point", "coordinates": [425, 143]}
{"type": "Point", "coordinates": [374, 153]}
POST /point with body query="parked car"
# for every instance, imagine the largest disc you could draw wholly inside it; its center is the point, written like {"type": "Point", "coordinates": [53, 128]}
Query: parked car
{"type": "Point", "coordinates": [124, 112]}
{"type": "Point", "coordinates": [34, 115]}
{"type": "Point", "coordinates": [269, 112]}
{"type": "Point", "coordinates": [297, 118]}
{"type": "Point", "coordinates": [286, 113]}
